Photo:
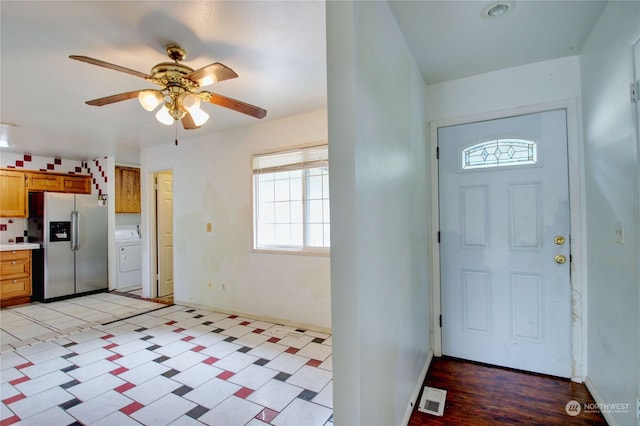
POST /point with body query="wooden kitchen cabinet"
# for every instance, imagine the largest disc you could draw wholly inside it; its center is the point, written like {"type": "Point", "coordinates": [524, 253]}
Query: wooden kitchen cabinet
{"type": "Point", "coordinates": [76, 184]}
{"type": "Point", "coordinates": [15, 277]}
{"type": "Point", "coordinates": [42, 181]}
{"type": "Point", "coordinates": [58, 182]}
{"type": "Point", "coordinates": [13, 194]}
{"type": "Point", "coordinates": [127, 190]}
{"type": "Point", "coordinates": [15, 186]}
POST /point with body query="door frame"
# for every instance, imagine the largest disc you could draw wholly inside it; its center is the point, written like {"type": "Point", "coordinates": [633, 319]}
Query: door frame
{"type": "Point", "coordinates": [577, 223]}
{"type": "Point", "coordinates": [153, 234]}
{"type": "Point", "coordinates": [157, 230]}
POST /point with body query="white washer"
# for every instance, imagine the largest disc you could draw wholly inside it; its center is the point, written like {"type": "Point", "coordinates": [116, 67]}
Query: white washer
{"type": "Point", "coordinates": [129, 248]}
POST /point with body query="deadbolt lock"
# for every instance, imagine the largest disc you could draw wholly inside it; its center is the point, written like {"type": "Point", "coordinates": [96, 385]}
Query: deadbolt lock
{"type": "Point", "coordinates": [560, 259]}
{"type": "Point", "coordinates": [559, 240]}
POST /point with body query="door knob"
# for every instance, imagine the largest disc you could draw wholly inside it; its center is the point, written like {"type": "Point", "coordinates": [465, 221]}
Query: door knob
{"type": "Point", "coordinates": [560, 259]}
{"type": "Point", "coordinates": [559, 240]}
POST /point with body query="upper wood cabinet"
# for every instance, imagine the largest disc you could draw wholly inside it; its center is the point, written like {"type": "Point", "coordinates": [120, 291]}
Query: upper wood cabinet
{"type": "Point", "coordinates": [127, 190]}
{"type": "Point", "coordinates": [13, 194]}
{"type": "Point", "coordinates": [58, 182]}
{"type": "Point", "coordinates": [42, 181]}
{"type": "Point", "coordinates": [15, 185]}
{"type": "Point", "coordinates": [75, 184]}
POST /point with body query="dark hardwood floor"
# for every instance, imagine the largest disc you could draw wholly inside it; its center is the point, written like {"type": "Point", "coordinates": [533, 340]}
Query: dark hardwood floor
{"type": "Point", "coordinates": [479, 394]}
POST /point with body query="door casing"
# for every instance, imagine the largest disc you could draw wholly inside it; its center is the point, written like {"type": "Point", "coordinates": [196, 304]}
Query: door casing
{"type": "Point", "coordinates": [152, 290]}
{"type": "Point", "coordinates": [577, 218]}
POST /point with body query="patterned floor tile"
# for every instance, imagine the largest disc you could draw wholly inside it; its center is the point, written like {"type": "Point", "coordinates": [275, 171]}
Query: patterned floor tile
{"type": "Point", "coordinates": [275, 395]}
{"type": "Point", "coordinates": [301, 412]}
{"type": "Point", "coordinates": [95, 409]}
{"type": "Point", "coordinates": [159, 365]}
{"type": "Point", "coordinates": [163, 411]}
{"type": "Point", "coordinates": [232, 411]}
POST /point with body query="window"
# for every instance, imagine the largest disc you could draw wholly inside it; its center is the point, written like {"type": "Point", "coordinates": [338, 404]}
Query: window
{"type": "Point", "coordinates": [499, 153]}
{"type": "Point", "coordinates": [291, 200]}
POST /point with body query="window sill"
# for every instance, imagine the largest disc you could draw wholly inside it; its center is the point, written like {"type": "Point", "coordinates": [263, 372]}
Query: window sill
{"type": "Point", "coordinates": [307, 252]}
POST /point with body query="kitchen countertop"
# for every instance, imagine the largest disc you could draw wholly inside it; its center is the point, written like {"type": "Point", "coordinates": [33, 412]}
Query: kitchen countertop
{"type": "Point", "coordinates": [19, 246]}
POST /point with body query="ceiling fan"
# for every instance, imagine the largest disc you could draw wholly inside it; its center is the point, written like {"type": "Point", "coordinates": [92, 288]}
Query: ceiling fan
{"type": "Point", "coordinates": [179, 91]}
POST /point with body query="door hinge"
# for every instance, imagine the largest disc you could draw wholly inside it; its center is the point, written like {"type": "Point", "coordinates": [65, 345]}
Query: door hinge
{"type": "Point", "coordinates": [437, 152]}
{"type": "Point", "coordinates": [438, 236]}
{"type": "Point", "coordinates": [634, 92]}
{"type": "Point", "coordinates": [440, 320]}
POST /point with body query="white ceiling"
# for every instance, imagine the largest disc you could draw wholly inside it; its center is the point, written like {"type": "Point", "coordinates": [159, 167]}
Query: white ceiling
{"type": "Point", "coordinates": [455, 39]}
{"type": "Point", "coordinates": [276, 47]}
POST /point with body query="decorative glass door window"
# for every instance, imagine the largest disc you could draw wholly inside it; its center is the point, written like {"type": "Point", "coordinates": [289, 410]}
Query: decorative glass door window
{"type": "Point", "coordinates": [500, 153]}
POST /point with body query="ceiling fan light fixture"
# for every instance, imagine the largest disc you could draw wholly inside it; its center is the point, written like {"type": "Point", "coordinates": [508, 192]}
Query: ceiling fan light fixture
{"type": "Point", "coordinates": [164, 117]}
{"type": "Point", "coordinates": [199, 116]}
{"type": "Point", "coordinates": [179, 96]}
{"type": "Point", "coordinates": [150, 99]}
{"type": "Point", "coordinates": [207, 80]}
{"type": "Point", "coordinates": [190, 101]}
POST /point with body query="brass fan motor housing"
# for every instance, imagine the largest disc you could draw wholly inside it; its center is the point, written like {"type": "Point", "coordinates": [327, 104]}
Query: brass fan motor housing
{"type": "Point", "coordinates": [172, 74]}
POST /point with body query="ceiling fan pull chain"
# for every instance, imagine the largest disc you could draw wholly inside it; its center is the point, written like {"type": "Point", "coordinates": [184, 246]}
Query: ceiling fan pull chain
{"type": "Point", "coordinates": [176, 132]}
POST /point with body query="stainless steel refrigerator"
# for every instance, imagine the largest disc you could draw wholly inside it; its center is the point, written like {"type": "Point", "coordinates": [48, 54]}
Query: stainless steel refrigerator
{"type": "Point", "coordinates": [73, 231]}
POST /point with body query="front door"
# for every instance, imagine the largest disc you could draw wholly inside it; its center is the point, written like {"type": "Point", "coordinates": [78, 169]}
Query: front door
{"type": "Point", "coordinates": [504, 223]}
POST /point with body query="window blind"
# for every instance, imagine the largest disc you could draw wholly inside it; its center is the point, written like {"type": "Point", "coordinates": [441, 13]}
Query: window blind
{"type": "Point", "coordinates": [314, 156]}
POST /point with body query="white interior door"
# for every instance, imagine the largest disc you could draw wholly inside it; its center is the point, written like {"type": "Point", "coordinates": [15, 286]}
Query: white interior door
{"type": "Point", "coordinates": [504, 223]}
{"type": "Point", "coordinates": [164, 212]}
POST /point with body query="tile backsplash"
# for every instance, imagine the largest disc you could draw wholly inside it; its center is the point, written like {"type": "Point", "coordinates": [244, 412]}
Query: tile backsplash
{"type": "Point", "coordinates": [11, 228]}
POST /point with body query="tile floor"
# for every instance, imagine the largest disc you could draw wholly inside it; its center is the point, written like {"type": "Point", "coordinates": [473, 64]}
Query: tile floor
{"type": "Point", "coordinates": [108, 359]}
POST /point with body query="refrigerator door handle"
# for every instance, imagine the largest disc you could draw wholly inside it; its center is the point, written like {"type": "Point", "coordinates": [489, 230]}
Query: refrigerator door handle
{"type": "Point", "coordinates": [75, 229]}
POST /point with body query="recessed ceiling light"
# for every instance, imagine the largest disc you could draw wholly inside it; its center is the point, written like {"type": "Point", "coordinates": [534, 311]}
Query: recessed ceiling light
{"type": "Point", "coordinates": [498, 10]}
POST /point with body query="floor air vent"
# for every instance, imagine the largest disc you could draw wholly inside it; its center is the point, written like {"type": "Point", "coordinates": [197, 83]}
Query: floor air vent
{"type": "Point", "coordinates": [432, 401]}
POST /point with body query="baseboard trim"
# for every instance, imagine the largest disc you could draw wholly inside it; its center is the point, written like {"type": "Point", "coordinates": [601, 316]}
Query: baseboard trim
{"type": "Point", "coordinates": [417, 389]}
{"type": "Point", "coordinates": [278, 321]}
{"type": "Point", "coordinates": [598, 399]}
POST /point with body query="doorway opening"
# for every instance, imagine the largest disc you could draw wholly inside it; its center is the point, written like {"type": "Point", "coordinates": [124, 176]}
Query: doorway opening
{"type": "Point", "coordinates": [162, 283]}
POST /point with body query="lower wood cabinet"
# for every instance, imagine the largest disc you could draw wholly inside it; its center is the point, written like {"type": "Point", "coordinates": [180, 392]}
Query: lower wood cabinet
{"type": "Point", "coordinates": [15, 277]}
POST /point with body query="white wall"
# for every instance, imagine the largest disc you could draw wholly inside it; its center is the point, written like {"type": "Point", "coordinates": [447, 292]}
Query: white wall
{"type": "Point", "coordinates": [612, 167]}
{"type": "Point", "coordinates": [212, 183]}
{"type": "Point", "coordinates": [538, 83]}
{"type": "Point", "coordinates": [379, 215]}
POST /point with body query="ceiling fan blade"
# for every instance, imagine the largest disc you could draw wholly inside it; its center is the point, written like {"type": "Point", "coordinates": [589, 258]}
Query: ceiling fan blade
{"type": "Point", "coordinates": [233, 104]}
{"type": "Point", "coordinates": [188, 123]}
{"type": "Point", "coordinates": [114, 98]}
{"type": "Point", "coordinates": [211, 74]}
{"type": "Point", "coordinates": [110, 66]}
